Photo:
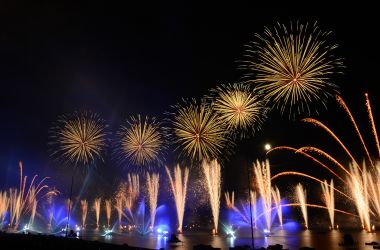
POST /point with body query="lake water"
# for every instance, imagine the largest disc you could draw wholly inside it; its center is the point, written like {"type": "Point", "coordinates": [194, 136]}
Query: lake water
{"type": "Point", "coordinates": [290, 240]}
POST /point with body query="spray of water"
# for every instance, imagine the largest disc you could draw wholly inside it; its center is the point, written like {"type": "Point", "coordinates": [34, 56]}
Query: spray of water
{"type": "Point", "coordinates": [212, 173]}
{"type": "Point", "coordinates": [152, 183]}
{"type": "Point", "coordinates": [301, 197]}
{"type": "Point", "coordinates": [178, 184]}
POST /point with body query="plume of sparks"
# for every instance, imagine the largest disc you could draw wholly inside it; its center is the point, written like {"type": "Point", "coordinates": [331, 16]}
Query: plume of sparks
{"type": "Point", "coordinates": [328, 197]}
{"type": "Point", "coordinates": [140, 141]}
{"type": "Point", "coordinates": [84, 207]}
{"type": "Point", "coordinates": [33, 212]}
{"type": "Point", "coordinates": [277, 202]}
{"type": "Point", "coordinates": [152, 183]}
{"type": "Point", "coordinates": [374, 131]}
{"type": "Point", "coordinates": [4, 204]}
{"type": "Point", "coordinates": [133, 191]}
{"type": "Point", "coordinates": [301, 196]}
{"type": "Point", "coordinates": [79, 138]}
{"type": "Point", "coordinates": [263, 181]}
{"type": "Point", "coordinates": [293, 66]}
{"type": "Point", "coordinates": [212, 173]}
{"type": "Point", "coordinates": [253, 204]}
{"type": "Point", "coordinates": [178, 183]}
{"type": "Point", "coordinates": [119, 208]}
{"type": "Point", "coordinates": [238, 107]}
{"type": "Point", "coordinates": [198, 132]}
{"type": "Point", "coordinates": [97, 204]}
{"type": "Point", "coordinates": [108, 204]}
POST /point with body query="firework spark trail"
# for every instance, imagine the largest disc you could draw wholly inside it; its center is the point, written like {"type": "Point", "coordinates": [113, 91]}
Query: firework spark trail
{"type": "Point", "coordinates": [347, 110]}
{"type": "Point", "coordinates": [179, 189]}
{"type": "Point", "coordinates": [140, 141]}
{"type": "Point", "coordinates": [79, 137]}
{"type": "Point", "coordinates": [374, 190]}
{"type": "Point", "coordinates": [4, 204]}
{"type": "Point", "coordinates": [358, 186]}
{"type": "Point", "coordinates": [328, 197]}
{"type": "Point", "coordinates": [97, 204]}
{"type": "Point", "coordinates": [119, 209]}
{"type": "Point", "coordinates": [301, 196]}
{"type": "Point", "coordinates": [238, 107]}
{"type": "Point", "coordinates": [374, 131]}
{"type": "Point", "coordinates": [33, 212]}
{"type": "Point", "coordinates": [263, 180]}
{"type": "Point", "coordinates": [323, 153]}
{"type": "Point", "coordinates": [298, 151]}
{"type": "Point", "coordinates": [292, 66]}
{"type": "Point", "coordinates": [84, 207]}
{"type": "Point", "coordinates": [310, 177]}
{"type": "Point", "coordinates": [321, 125]}
{"type": "Point", "coordinates": [198, 132]}
{"type": "Point", "coordinates": [254, 209]}
{"type": "Point", "coordinates": [152, 183]}
{"type": "Point", "coordinates": [212, 173]}
{"type": "Point", "coordinates": [277, 201]}
{"type": "Point", "coordinates": [108, 205]}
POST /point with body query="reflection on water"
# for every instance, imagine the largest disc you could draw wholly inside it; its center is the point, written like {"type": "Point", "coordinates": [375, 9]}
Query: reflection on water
{"type": "Point", "coordinates": [290, 240]}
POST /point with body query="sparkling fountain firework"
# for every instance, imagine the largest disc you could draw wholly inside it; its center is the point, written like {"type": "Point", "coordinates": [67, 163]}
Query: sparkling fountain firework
{"type": "Point", "coordinates": [84, 207]}
{"type": "Point", "coordinates": [33, 212]}
{"type": "Point", "coordinates": [263, 181]}
{"type": "Point", "coordinates": [277, 202]}
{"type": "Point", "coordinates": [301, 197]}
{"type": "Point", "coordinates": [152, 183]}
{"type": "Point", "coordinates": [179, 189]}
{"type": "Point", "coordinates": [254, 208]}
{"type": "Point", "coordinates": [97, 204]}
{"type": "Point", "coordinates": [133, 190]}
{"type": "Point", "coordinates": [4, 203]}
{"type": "Point", "coordinates": [108, 204]}
{"type": "Point", "coordinates": [119, 209]}
{"type": "Point", "coordinates": [328, 197]}
{"type": "Point", "coordinates": [212, 173]}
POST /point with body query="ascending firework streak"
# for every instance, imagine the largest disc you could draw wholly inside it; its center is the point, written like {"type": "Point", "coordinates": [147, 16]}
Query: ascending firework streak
{"type": "Point", "coordinates": [79, 138]}
{"type": "Point", "coordinates": [301, 196]}
{"type": "Point", "coordinates": [198, 132]}
{"type": "Point", "coordinates": [152, 183]}
{"type": "Point", "coordinates": [140, 141]}
{"type": "Point", "coordinates": [4, 203]}
{"type": "Point", "coordinates": [277, 202]}
{"type": "Point", "coordinates": [84, 206]}
{"type": "Point", "coordinates": [212, 173]}
{"type": "Point", "coordinates": [108, 211]}
{"type": "Point", "coordinates": [179, 189]}
{"type": "Point", "coordinates": [119, 209]}
{"type": "Point", "coordinates": [328, 197]}
{"type": "Point", "coordinates": [374, 131]}
{"type": "Point", "coordinates": [133, 191]}
{"type": "Point", "coordinates": [97, 204]}
{"type": "Point", "coordinates": [238, 107]}
{"type": "Point", "coordinates": [263, 181]}
{"type": "Point", "coordinates": [292, 66]}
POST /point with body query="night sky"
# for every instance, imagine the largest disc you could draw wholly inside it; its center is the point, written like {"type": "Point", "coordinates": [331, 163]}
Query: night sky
{"type": "Point", "coordinates": [124, 60]}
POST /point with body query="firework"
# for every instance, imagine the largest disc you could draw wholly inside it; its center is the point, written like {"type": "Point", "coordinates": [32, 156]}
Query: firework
{"type": "Point", "coordinates": [84, 207]}
{"type": "Point", "coordinates": [292, 66]}
{"type": "Point", "coordinates": [238, 107]}
{"type": "Point", "coordinates": [4, 203]}
{"type": "Point", "coordinates": [140, 141]}
{"type": "Point", "coordinates": [301, 196]}
{"type": "Point", "coordinates": [328, 197]}
{"type": "Point", "coordinates": [277, 202]}
{"type": "Point", "coordinates": [212, 174]}
{"type": "Point", "coordinates": [97, 204]}
{"type": "Point", "coordinates": [152, 183]}
{"type": "Point", "coordinates": [198, 133]}
{"type": "Point", "coordinates": [108, 204]}
{"type": "Point", "coordinates": [179, 189]}
{"type": "Point", "coordinates": [79, 138]}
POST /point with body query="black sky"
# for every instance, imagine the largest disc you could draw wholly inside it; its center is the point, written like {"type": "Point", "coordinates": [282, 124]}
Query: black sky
{"type": "Point", "coordinates": [119, 60]}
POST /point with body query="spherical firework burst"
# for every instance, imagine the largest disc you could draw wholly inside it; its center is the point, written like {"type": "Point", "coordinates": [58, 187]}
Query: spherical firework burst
{"type": "Point", "coordinates": [198, 132]}
{"type": "Point", "coordinates": [238, 107]}
{"type": "Point", "coordinates": [140, 141]}
{"type": "Point", "coordinates": [292, 66]}
{"type": "Point", "coordinates": [79, 138]}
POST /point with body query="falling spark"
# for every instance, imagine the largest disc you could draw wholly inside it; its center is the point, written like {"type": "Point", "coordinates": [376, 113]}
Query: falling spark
{"type": "Point", "coordinates": [97, 204]}
{"type": "Point", "coordinates": [238, 107]}
{"type": "Point", "coordinates": [328, 197]}
{"type": "Point", "coordinates": [292, 66]}
{"type": "Point", "coordinates": [212, 174]}
{"type": "Point", "coordinates": [198, 132]}
{"type": "Point", "coordinates": [301, 196]}
{"type": "Point", "coordinates": [79, 137]}
{"type": "Point", "coordinates": [84, 206]}
{"type": "Point", "coordinates": [152, 183]}
{"type": "Point", "coordinates": [179, 188]}
{"type": "Point", "coordinates": [140, 141]}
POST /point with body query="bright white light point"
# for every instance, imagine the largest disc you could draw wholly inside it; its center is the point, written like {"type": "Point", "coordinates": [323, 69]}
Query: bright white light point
{"type": "Point", "coordinates": [267, 146]}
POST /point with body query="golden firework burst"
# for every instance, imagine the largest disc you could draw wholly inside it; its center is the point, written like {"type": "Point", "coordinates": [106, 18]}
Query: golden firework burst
{"type": "Point", "coordinates": [141, 141]}
{"type": "Point", "coordinates": [80, 137]}
{"type": "Point", "coordinates": [292, 66]}
{"type": "Point", "coordinates": [198, 132]}
{"type": "Point", "coordinates": [238, 107]}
